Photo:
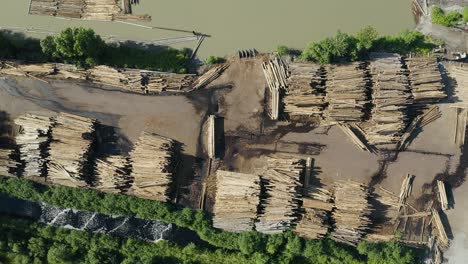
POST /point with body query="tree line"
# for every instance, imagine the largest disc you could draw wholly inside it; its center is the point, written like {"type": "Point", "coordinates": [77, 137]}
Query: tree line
{"type": "Point", "coordinates": [84, 48]}
{"type": "Point", "coordinates": [343, 47]}
{"type": "Point", "coordinates": [254, 246]}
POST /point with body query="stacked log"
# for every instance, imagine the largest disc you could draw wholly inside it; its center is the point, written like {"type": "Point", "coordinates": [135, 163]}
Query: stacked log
{"type": "Point", "coordinates": [112, 174]}
{"type": "Point", "coordinates": [281, 180]}
{"type": "Point", "coordinates": [6, 162]}
{"type": "Point", "coordinates": [158, 83]}
{"type": "Point", "coordinates": [442, 238]}
{"type": "Point", "coordinates": [426, 80]}
{"type": "Point", "coordinates": [100, 9]}
{"type": "Point", "coordinates": [33, 133]}
{"type": "Point", "coordinates": [460, 74]}
{"type": "Point", "coordinates": [317, 204]}
{"type": "Point", "coordinates": [236, 201]}
{"type": "Point", "coordinates": [69, 149]}
{"type": "Point", "coordinates": [275, 71]}
{"type": "Point", "coordinates": [442, 195]}
{"type": "Point", "coordinates": [306, 92]}
{"type": "Point", "coordinates": [209, 76]}
{"type": "Point", "coordinates": [346, 89]}
{"type": "Point", "coordinates": [427, 117]}
{"type": "Point", "coordinates": [351, 212]}
{"type": "Point", "coordinates": [105, 10]}
{"type": "Point", "coordinates": [390, 97]}
{"type": "Point", "coordinates": [153, 167]}
{"type": "Point", "coordinates": [406, 189]}
{"type": "Point", "coordinates": [110, 76]}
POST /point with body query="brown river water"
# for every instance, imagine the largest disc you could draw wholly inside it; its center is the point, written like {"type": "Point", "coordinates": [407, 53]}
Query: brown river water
{"type": "Point", "coordinates": [233, 25]}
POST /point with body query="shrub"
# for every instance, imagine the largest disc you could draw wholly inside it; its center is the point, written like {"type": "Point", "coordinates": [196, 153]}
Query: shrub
{"type": "Point", "coordinates": [214, 60]}
{"type": "Point", "coordinates": [449, 19]}
{"type": "Point", "coordinates": [465, 14]}
{"type": "Point", "coordinates": [283, 50]}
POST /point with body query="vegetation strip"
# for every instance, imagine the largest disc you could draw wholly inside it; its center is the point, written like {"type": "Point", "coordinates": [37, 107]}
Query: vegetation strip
{"type": "Point", "coordinates": [280, 248]}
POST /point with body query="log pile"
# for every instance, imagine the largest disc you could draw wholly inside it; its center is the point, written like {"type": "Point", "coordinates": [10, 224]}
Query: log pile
{"type": "Point", "coordinates": [275, 71]}
{"type": "Point", "coordinates": [406, 189]}
{"type": "Point", "coordinates": [426, 80]}
{"type": "Point", "coordinates": [317, 204]}
{"type": "Point", "coordinates": [281, 180]}
{"type": "Point", "coordinates": [442, 238]}
{"type": "Point", "coordinates": [105, 10]}
{"type": "Point", "coordinates": [33, 133]}
{"type": "Point", "coordinates": [346, 89]}
{"type": "Point", "coordinates": [72, 137]}
{"type": "Point", "coordinates": [305, 94]}
{"type": "Point", "coordinates": [208, 77]}
{"type": "Point", "coordinates": [460, 126]}
{"type": "Point", "coordinates": [6, 162]}
{"type": "Point", "coordinates": [236, 201]}
{"type": "Point", "coordinates": [112, 174]}
{"type": "Point", "coordinates": [428, 116]}
{"type": "Point", "coordinates": [390, 97]}
{"type": "Point", "coordinates": [460, 74]}
{"type": "Point", "coordinates": [442, 195]}
{"type": "Point", "coordinates": [153, 167]}
{"type": "Point", "coordinates": [157, 83]}
{"type": "Point", "coordinates": [351, 212]}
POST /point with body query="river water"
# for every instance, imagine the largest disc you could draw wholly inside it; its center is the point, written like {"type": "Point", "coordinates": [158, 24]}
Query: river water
{"type": "Point", "coordinates": [235, 25]}
{"type": "Point", "coordinates": [123, 226]}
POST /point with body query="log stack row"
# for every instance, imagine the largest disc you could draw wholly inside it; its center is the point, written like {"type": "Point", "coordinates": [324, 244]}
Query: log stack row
{"type": "Point", "coordinates": [317, 205]}
{"type": "Point", "coordinates": [72, 137]}
{"type": "Point", "coordinates": [281, 179]}
{"type": "Point", "coordinates": [32, 135]}
{"type": "Point", "coordinates": [305, 95]}
{"type": "Point", "coordinates": [112, 174]}
{"type": "Point", "coordinates": [275, 71]}
{"type": "Point", "coordinates": [106, 10]}
{"type": "Point", "coordinates": [346, 88]}
{"type": "Point", "coordinates": [352, 212]}
{"type": "Point", "coordinates": [153, 167]}
{"type": "Point", "coordinates": [390, 97]}
{"type": "Point", "coordinates": [237, 198]}
{"type": "Point", "coordinates": [426, 80]}
{"type": "Point", "coordinates": [6, 163]}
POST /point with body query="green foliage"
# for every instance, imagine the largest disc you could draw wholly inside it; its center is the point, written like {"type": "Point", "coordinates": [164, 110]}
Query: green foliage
{"type": "Point", "coordinates": [214, 60]}
{"type": "Point", "coordinates": [449, 19]}
{"type": "Point", "coordinates": [386, 253]}
{"type": "Point", "coordinates": [344, 47]}
{"type": "Point", "coordinates": [465, 14]}
{"type": "Point", "coordinates": [283, 50]}
{"type": "Point", "coordinates": [259, 248]}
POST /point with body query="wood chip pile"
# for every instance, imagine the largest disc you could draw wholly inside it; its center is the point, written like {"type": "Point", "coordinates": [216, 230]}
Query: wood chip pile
{"type": "Point", "coordinates": [317, 205]}
{"type": "Point", "coordinates": [425, 79]}
{"type": "Point", "coordinates": [351, 214]}
{"type": "Point", "coordinates": [281, 179]}
{"type": "Point", "coordinates": [390, 97]}
{"type": "Point", "coordinates": [112, 174]}
{"type": "Point", "coordinates": [346, 89]}
{"type": "Point", "coordinates": [305, 94]}
{"type": "Point", "coordinates": [153, 167]}
{"type": "Point", "coordinates": [32, 135]}
{"type": "Point", "coordinates": [72, 137]}
{"type": "Point", "coordinates": [236, 201]}
{"type": "Point", "coordinates": [105, 10]}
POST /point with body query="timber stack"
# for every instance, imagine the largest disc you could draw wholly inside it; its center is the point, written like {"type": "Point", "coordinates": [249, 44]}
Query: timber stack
{"type": "Point", "coordinates": [32, 135]}
{"type": "Point", "coordinates": [275, 71]}
{"type": "Point", "coordinates": [390, 97]}
{"type": "Point", "coordinates": [427, 117]}
{"type": "Point", "coordinates": [317, 205]}
{"type": "Point", "coordinates": [305, 95]}
{"type": "Point", "coordinates": [346, 89]}
{"type": "Point", "coordinates": [442, 195]}
{"type": "Point", "coordinates": [112, 174]}
{"type": "Point", "coordinates": [161, 82]}
{"type": "Point", "coordinates": [281, 180]}
{"type": "Point", "coordinates": [209, 76]}
{"type": "Point", "coordinates": [406, 189]}
{"type": "Point", "coordinates": [351, 214]}
{"type": "Point", "coordinates": [6, 162]}
{"type": "Point", "coordinates": [69, 149]}
{"type": "Point", "coordinates": [236, 201]}
{"type": "Point", "coordinates": [460, 74]}
{"type": "Point", "coordinates": [426, 80]}
{"type": "Point", "coordinates": [105, 10]}
{"type": "Point", "coordinates": [153, 166]}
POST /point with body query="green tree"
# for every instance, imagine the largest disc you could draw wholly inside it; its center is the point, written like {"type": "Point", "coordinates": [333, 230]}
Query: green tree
{"type": "Point", "coordinates": [449, 19]}
{"type": "Point", "coordinates": [283, 50]}
{"type": "Point", "coordinates": [250, 242]}
{"type": "Point", "coordinates": [366, 37]}
{"type": "Point", "coordinates": [59, 254]}
{"type": "Point", "coordinates": [214, 60]}
{"type": "Point", "coordinates": [386, 253]}
{"type": "Point", "coordinates": [37, 247]}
